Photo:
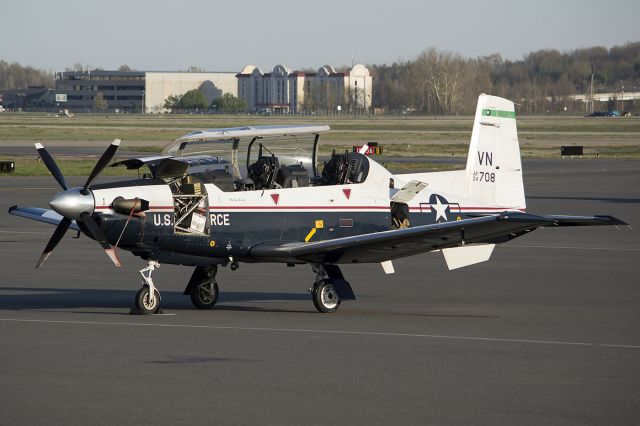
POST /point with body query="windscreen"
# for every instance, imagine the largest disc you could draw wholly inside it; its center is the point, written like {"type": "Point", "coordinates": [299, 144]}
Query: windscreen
{"type": "Point", "coordinates": [290, 150]}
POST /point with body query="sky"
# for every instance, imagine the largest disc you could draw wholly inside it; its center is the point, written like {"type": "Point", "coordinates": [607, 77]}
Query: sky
{"type": "Point", "coordinates": [227, 35]}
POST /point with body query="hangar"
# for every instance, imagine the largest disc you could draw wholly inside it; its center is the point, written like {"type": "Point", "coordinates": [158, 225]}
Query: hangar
{"type": "Point", "coordinates": [135, 91]}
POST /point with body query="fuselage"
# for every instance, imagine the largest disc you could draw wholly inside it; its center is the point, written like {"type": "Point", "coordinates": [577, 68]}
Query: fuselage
{"type": "Point", "coordinates": [225, 225]}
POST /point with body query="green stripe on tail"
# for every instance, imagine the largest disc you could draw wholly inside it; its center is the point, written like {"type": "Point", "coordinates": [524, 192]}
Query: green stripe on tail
{"type": "Point", "coordinates": [498, 113]}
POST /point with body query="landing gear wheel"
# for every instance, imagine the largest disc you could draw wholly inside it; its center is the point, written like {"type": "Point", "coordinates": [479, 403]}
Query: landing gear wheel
{"type": "Point", "coordinates": [143, 303]}
{"type": "Point", "coordinates": [204, 295]}
{"type": "Point", "coordinates": [325, 297]}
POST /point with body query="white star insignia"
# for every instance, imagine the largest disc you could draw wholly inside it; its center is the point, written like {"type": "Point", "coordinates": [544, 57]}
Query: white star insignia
{"type": "Point", "coordinates": [440, 209]}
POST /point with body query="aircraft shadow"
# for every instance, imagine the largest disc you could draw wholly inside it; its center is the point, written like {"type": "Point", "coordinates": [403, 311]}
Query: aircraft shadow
{"type": "Point", "coordinates": [67, 298]}
{"type": "Point", "coordinates": [88, 301]}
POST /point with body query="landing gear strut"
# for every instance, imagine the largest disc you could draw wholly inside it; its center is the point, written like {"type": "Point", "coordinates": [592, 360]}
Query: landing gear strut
{"type": "Point", "coordinates": [203, 288]}
{"type": "Point", "coordinates": [148, 297]}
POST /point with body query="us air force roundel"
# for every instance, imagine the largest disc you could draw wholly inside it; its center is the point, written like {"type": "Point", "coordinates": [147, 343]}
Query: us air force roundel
{"type": "Point", "coordinates": [440, 206]}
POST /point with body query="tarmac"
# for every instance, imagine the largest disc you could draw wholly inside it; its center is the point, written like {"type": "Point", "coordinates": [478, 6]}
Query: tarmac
{"type": "Point", "coordinates": [546, 332]}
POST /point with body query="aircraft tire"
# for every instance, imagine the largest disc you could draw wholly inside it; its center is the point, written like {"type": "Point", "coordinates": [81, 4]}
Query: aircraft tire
{"type": "Point", "coordinates": [325, 298]}
{"type": "Point", "coordinates": [202, 298]}
{"type": "Point", "coordinates": [142, 301]}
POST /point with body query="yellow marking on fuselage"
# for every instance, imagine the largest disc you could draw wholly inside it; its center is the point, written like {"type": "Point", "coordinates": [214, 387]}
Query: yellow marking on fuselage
{"type": "Point", "coordinates": [310, 235]}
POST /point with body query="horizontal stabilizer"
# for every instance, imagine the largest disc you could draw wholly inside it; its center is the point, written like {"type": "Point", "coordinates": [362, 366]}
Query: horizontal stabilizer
{"type": "Point", "coordinates": [387, 266]}
{"type": "Point", "coordinates": [458, 257]}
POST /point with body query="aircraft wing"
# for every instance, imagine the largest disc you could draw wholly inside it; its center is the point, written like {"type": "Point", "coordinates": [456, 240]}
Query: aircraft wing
{"type": "Point", "coordinates": [41, 215]}
{"type": "Point", "coordinates": [393, 244]}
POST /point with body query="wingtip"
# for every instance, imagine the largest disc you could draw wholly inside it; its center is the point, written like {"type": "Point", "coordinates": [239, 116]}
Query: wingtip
{"type": "Point", "coordinates": [38, 145]}
{"type": "Point", "coordinates": [116, 142]}
{"type": "Point", "coordinates": [612, 220]}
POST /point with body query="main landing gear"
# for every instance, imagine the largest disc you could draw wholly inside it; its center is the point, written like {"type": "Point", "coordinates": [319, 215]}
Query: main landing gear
{"type": "Point", "coordinates": [325, 297]}
{"type": "Point", "coordinates": [329, 288]}
{"type": "Point", "coordinates": [202, 287]}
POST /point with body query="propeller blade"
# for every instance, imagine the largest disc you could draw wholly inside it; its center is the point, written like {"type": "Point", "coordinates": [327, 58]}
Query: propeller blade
{"type": "Point", "coordinates": [55, 239]}
{"type": "Point", "coordinates": [100, 237]}
{"type": "Point", "coordinates": [107, 156]}
{"type": "Point", "coordinates": [51, 165]}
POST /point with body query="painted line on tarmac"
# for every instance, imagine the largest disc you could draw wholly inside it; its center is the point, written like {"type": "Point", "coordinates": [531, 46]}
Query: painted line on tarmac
{"type": "Point", "coordinates": [335, 332]}
{"type": "Point", "coordinates": [575, 248]}
{"type": "Point", "coordinates": [24, 232]}
{"type": "Point", "coordinates": [21, 189]}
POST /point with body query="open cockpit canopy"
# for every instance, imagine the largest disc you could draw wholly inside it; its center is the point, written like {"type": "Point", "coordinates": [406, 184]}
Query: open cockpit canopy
{"type": "Point", "coordinates": [243, 146]}
{"type": "Point", "coordinates": [253, 158]}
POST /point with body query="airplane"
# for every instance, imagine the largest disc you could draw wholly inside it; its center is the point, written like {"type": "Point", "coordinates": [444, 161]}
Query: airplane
{"type": "Point", "coordinates": [228, 196]}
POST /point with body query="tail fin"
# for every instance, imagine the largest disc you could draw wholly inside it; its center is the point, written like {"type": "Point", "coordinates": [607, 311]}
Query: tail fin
{"type": "Point", "coordinates": [494, 169]}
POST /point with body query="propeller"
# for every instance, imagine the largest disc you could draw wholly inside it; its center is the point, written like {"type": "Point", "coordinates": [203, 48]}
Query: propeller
{"type": "Point", "coordinates": [55, 239]}
{"type": "Point", "coordinates": [76, 203]}
{"type": "Point", "coordinates": [51, 165]}
{"type": "Point", "coordinates": [105, 159]}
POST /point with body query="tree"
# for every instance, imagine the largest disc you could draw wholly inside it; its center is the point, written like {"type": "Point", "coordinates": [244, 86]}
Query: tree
{"type": "Point", "coordinates": [229, 104]}
{"type": "Point", "coordinates": [172, 102]}
{"type": "Point", "coordinates": [99, 103]}
{"type": "Point", "coordinates": [125, 67]}
{"type": "Point", "coordinates": [439, 74]}
{"type": "Point", "coordinates": [193, 100]}
{"type": "Point", "coordinates": [15, 76]}
{"type": "Point", "coordinates": [77, 67]}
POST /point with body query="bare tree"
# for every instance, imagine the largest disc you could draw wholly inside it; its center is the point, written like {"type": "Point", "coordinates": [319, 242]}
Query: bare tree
{"type": "Point", "coordinates": [439, 75]}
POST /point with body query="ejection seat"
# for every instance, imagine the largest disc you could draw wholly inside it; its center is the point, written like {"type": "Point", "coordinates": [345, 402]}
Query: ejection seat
{"type": "Point", "coordinates": [293, 176]}
{"type": "Point", "coordinates": [264, 172]}
{"type": "Point", "coordinates": [341, 169]}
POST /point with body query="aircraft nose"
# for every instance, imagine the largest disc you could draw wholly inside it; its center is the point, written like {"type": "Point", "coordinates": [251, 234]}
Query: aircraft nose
{"type": "Point", "coordinates": [73, 202]}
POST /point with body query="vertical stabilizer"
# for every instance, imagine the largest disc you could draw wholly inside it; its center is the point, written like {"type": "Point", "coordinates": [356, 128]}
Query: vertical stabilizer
{"type": "Point", "coordinates": [494, 169]}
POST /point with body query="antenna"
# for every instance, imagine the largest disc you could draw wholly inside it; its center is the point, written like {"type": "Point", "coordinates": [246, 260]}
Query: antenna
{"type": "Point", "coordinates": [591, 93]}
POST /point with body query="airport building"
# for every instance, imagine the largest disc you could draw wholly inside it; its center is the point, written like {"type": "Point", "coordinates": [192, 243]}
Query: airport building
{"type": "Point", "coordinates": [33, 97]}
{"type": "Point", "coordinates": [287, 91]}
{"type": "Point", "coordinates": [160, 85]}
{"type": "Point", "coordinates": [134, 91]}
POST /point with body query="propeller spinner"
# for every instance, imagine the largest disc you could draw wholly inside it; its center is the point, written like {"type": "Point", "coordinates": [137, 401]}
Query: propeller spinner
{"type": "Point", "coordinates": [76, 203]}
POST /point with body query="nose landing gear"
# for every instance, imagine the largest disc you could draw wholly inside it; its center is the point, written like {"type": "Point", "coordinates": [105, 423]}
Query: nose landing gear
{"type": "Point", "coordinates": [147, 299]}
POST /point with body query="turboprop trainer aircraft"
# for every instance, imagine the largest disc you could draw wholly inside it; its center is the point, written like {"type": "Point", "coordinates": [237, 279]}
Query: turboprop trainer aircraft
{"type": "Point", "coordinates": [268, 201]}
